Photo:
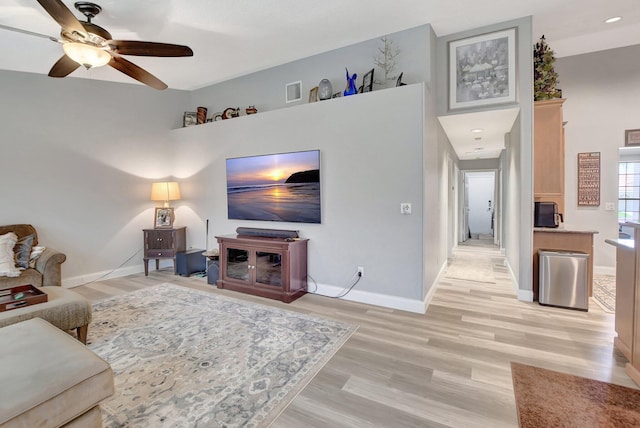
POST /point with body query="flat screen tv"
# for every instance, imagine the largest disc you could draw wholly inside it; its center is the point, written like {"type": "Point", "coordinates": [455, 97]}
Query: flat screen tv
{"type": "Point", "coordinates": [278, 187]}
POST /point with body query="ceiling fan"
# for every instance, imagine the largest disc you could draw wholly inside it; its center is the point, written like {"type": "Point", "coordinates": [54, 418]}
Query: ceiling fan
{"type": "Point", "coordinates": [89, 45]}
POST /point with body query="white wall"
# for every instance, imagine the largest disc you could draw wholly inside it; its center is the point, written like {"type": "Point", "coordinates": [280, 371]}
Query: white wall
{"type": "Point", "coordinates": [602, 90]}
{"type": "Point", "coordinates": [99, 145]}
{"type": "Point", "coordinates": [76, 160]}
{"type": "Point", "coordinates": [371, 148]}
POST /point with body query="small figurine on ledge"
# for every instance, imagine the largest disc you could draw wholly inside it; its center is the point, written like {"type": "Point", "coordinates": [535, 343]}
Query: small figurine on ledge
{"type": "Point", "coordinates": [351, 84]}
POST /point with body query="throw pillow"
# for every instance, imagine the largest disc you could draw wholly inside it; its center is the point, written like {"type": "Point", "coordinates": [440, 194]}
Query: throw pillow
{"type": "Point", "coordinates": [36, 252]}
{"type": "Point", "coordinates": [7, 259]}
{"type": "Point", "coordinates": [22, 251]}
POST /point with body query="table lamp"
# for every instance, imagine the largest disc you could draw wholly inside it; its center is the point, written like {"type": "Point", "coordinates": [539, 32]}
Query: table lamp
{"type": "Point", "coordinates": [165, 191]}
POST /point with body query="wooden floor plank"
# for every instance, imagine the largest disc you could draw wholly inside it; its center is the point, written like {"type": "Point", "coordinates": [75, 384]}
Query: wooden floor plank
{"type": "Point", "coordinates": [449, 367]}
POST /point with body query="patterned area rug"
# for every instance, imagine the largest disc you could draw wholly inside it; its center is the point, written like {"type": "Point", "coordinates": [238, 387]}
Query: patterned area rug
{"type": "Point", "coordinates": [188, 358]}
{"type": "Point", "coordinates": [604, 292]}
{"type": "Point", "coordinates": [470, 266]}
{"type": "Point", "coordinates": [546, 398]}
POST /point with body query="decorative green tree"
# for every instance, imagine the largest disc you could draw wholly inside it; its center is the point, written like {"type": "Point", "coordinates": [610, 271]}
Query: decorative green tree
{"type": "Point", "coordinates": [545, 77]}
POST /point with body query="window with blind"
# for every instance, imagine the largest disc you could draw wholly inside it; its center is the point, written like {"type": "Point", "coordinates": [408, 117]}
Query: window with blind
{"type": "Point", "coordinates": [628, 191]}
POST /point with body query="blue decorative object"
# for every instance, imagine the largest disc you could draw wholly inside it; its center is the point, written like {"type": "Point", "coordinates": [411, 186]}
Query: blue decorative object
{"type": "Point", "coordinates": [351, 84]}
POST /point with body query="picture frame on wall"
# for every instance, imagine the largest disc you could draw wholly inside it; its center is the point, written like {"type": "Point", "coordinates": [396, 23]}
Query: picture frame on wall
{"type": "Point", "coordinates": [482, 70]}
{"type": "Point", "coordinates": [632, 137]}
{"type": "Point", "coordinates": [164, 217]}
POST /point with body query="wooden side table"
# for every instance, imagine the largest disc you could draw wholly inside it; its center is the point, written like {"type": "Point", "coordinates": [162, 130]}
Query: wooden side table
{"type": "Point", "coordinates": [163, 244]}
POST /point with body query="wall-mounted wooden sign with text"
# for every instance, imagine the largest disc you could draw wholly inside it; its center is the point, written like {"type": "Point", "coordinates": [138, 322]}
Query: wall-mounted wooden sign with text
{"type": "Point", "coordinates": [589, 179]}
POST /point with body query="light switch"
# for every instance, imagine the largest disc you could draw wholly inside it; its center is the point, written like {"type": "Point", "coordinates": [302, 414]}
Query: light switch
{"type": "Point", "coordinates": [610, 206]}
{"type": "Point", "coordinates": [405, 208]}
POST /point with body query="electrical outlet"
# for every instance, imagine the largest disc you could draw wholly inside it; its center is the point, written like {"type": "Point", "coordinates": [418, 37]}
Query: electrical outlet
{"type": "Point", "coordinates": [361, 270]}
{"type": "Point", "coordinates": [405, 208]}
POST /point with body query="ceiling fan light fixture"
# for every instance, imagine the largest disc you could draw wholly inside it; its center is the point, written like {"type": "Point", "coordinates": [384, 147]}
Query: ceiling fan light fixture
{"type": "Point", "coordinates": [86, 55]}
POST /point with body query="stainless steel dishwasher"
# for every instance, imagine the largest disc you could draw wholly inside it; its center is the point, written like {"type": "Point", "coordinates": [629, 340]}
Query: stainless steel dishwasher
{"type": "Point", "coordinates": [563, 279]}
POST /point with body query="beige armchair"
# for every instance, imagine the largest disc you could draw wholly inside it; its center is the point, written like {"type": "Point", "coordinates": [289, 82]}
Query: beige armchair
{"type": "Point", "coordinates": [48, 266]}
{"type": "Point", "coordinates": [64, 308]}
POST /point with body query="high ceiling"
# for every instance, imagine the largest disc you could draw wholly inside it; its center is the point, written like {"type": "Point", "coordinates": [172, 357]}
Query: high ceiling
{"type": "Point", "coordinates": [233, 38]}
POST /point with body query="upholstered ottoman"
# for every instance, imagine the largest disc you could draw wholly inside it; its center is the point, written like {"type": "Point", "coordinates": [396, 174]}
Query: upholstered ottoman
{"type": "Point", "coordinates": [65, 309]}
{"type": "Point", "coordinates": [49, 379]}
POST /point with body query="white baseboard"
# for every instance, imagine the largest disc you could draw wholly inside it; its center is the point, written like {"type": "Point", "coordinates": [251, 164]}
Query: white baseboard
{"type": "Point", "coordinates": [604, 270]}
{"type": "Point", "coordinates": [384, 300]}
{"type": "Point", "coordinates": [79, 280]}
{"type": "Point", "coordinates": [434, 285]}
{"type": "Point", "coordinates": [523, 295]}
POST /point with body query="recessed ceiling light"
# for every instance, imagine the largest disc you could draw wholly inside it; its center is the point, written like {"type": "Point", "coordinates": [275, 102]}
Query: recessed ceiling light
{"type": "Point", "coordinates": [613, 19]}
{"type": "Point", "coordinates": [476, 130]}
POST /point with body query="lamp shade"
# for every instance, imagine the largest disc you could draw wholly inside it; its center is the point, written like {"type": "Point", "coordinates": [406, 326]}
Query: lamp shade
{"type": "Point", "coordinates": [165, 191]}
{"type": "Point", "coordinates": [87, 55]}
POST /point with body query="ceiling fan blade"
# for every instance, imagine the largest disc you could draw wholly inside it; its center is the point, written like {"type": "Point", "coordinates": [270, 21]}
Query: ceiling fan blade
{"type": "Point", "coordinates": [132, 70]}
{"type": "Point", "coordinates": [30, 33]}
{"type": "Point", "coordinates": [133, 47]}
{"type": "Point", "coordinates": [63, 67]}
{"type": "Point", "coordinates": [63, 16]}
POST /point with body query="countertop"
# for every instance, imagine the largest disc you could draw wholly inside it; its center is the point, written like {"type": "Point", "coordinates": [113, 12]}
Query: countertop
{"type": "Point", "coordinates": [567, 228]}
{"type": "Point", "coordinates": [625, 244]}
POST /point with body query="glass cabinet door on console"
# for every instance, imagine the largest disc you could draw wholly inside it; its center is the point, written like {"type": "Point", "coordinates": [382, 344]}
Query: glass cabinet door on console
{"type": "Point", "coordinates": [268, 267]}
{"type": "Point", "coordinates": [237, 264]}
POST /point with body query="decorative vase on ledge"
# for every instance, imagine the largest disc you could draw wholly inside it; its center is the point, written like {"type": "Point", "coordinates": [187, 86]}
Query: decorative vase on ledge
{"type": "Point", "coordinates": [202, 115]}
{"type": "Point", "coordinates": [325, 89]}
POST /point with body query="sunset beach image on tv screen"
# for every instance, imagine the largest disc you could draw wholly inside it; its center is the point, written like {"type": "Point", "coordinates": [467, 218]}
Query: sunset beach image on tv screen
{"type": "Point", "coordinates": [277, 187]}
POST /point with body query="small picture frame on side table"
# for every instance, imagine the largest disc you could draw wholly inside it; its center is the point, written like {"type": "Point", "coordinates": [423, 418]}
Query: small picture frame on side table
{"type": "Point", "coordinates": [164, 218]}
{"type": "Point", "coordinates": [632, 137]}
{"type": "Point", "coordinates": [190, 118]}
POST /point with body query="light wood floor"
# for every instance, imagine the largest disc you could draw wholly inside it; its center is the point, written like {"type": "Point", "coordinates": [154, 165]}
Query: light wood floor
{"type": "Point", "coordinates": [447, 368]}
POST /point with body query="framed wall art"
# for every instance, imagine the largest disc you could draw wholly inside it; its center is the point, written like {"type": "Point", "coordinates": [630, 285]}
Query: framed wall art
{"type": "Point", "coordinates": [482, 70]}
{"type": "Point", "coordinates": [632, 137]}
{"type": "Point", "coordinates": [589, 179]}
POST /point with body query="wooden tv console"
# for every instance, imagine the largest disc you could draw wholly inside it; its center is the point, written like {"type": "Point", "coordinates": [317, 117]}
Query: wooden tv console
{"type": "Point", "coordinates": [275, 268]}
